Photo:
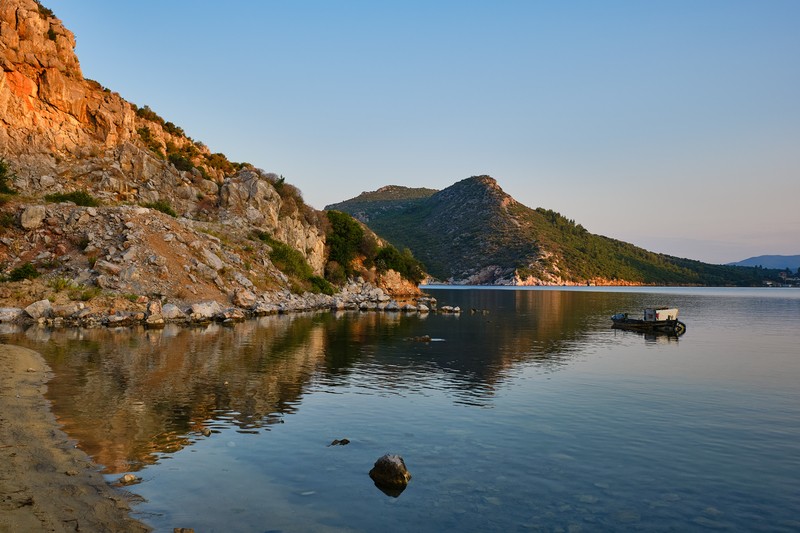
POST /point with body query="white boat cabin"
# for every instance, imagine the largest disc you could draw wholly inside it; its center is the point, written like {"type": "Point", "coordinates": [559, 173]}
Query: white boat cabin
{"type": "Point", "coordinates": [662, 313]}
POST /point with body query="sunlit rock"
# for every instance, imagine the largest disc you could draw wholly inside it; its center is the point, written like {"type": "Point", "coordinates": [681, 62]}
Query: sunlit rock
{"type": "Point", "coordinates": [390, 474]}
{"type": "Point", "coordinates": [11, 314]}
{"type": "Point", "coordinates": [40, 309]}
{"type": "Point", "coordinates": [32, 217]}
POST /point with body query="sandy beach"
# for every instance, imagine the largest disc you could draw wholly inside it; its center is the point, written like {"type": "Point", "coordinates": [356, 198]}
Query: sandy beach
{"type": "Point", "coordinates": [46, 484]}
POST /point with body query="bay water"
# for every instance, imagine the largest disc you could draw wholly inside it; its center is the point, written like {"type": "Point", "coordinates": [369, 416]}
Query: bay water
{"type": "Point", "coordinates": [525, 412]}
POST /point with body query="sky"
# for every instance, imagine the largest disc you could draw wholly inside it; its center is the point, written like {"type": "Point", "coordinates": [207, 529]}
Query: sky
{"type": "Point", "coordinates": [671, 125]}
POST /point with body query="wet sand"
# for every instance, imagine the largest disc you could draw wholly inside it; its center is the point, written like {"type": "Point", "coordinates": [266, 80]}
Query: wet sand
{"type": "Point", "coordinates": [46, 484]}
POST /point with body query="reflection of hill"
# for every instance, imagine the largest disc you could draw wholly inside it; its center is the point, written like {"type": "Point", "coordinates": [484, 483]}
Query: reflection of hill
{"type": "Point", "coordinates": [479, 350]}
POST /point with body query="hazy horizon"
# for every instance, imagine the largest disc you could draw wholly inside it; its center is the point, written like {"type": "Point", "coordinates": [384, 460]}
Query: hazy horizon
{"type": "Point", "coordinates": [671, 126]}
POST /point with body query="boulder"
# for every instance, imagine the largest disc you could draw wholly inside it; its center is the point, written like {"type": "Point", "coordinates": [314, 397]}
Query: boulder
{"type": "Point", "coordinates": [68, 310]}
{"type": "Point", "coordinates": [40, 309]}
{"type": "Point", "coordinates": [390, 474]}
{"type": "Point", "coordinates": [172, 312]}
{"type": "Point", "coordinates": [244, 298]}
{"type": "Point", "coordinates": [204, 310]}
{"type": "Point", "coordinates": [11, 314]}
{"type": "Point", "coordinates": [265, 308]}
{"type": "Point", "coordinates": [107, 267]}
{"type": "Point", "coordinates": [392, 307]}
{"type": "Point", "coordinates": [212, 259]}
{"type": "Point", "coordinates": [231, 314]}
{"type": "Point", "coordinates": [32, 217]}
{"type": "Point", "coordinates": [154, 318]}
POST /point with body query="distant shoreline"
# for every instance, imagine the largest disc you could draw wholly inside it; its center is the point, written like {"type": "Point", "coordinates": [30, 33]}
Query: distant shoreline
{"type": "Point", "coordinates": [46, 482]}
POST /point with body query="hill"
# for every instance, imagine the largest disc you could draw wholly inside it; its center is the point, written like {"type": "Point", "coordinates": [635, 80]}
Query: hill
{"type": "Point", "coordinates": [101, 198]}
{"type": "Point", "coordinates": [474, 233]}
{"type": "Point", "coordinates": [781, 262]}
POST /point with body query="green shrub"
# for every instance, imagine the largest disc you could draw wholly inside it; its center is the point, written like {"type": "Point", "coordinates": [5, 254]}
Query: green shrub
{"type": "Point", "coordinates": [292, 263]}
{"type": "Point", "coordinates": [51, 34]}
{"type": "Point", "coordinates": [320, 284]}
{"type": "Point", "coordinates": [220, 162]}
{"type": "Point", "coordinates": [148, 114]}
{"type": "Point", "coordinates": [7, 220]}
{"type": "Point", "coordinates": [172, 129]}
{"type": "Point", "coordinates": [44, 12]}
{"type": "Point", "coordinates": [334, 272]}
{"type": "Point", "coordinates": [81, 198]}
{"type": "Point", "coordinates": [344, 239]}
{"type": "Point", "coordinates": [180, 162]}
{"type": "Point", "coordinates": [150, 142]}
{"type": "Point", "coordinates": [5, 177]}
{"type": "Point", "coordinates": [405, 263]}
{"type": "Point", "coordinates": [287, 259]}
{"type": "Point", "coordinates": [84, 294]}
{"type": "Point", "coordinates": [26, 271]}
{"type": "Point", "coordinates": [60, 284]}
{"type": "Point", "coordinates": [163, 206]}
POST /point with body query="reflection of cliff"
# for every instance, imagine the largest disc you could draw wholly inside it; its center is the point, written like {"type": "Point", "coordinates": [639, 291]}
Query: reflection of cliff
{"type": "Point", "coordinates": [128, 395]}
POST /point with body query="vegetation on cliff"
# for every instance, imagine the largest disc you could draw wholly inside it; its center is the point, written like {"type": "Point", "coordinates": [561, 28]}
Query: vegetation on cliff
{"type": "Point", "coordinates": [348, 241]}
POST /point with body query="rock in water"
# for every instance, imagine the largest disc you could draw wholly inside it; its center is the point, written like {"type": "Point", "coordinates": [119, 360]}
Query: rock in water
{"type": "Point", "coordinates": [390, 474]}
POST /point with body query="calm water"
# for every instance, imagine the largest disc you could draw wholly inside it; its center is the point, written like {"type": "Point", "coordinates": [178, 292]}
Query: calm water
{"type": "Point", "coordinates": [533, 415]}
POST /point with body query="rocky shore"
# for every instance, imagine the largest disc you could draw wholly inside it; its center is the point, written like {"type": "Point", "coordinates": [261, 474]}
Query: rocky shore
{"type": "Point", "coordinates": [356, 296]}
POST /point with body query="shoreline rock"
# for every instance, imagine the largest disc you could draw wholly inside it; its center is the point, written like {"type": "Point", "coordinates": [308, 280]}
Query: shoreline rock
{"type": "Point", "coordinates": [356, 296]}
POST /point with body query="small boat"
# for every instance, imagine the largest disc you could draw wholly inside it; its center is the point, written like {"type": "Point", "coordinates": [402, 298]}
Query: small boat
{"type": "Point", "coordinates": [657, 320]}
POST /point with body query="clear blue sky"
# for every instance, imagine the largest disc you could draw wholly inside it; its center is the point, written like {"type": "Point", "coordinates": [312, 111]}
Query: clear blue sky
{"type": "Point", "coordinates": [672, 125]}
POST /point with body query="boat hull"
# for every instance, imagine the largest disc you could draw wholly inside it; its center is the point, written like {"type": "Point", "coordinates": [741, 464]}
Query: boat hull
{"type": "Point", "coordinates": [671, 327]}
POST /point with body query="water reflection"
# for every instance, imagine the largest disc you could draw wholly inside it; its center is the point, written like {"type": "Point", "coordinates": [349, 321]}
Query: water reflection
{"type": "Point", "coordinates": [130, 395]}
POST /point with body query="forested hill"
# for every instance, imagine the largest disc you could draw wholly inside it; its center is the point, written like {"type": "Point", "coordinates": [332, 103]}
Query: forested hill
{"type": "Point", "coordinates": [474, 233]}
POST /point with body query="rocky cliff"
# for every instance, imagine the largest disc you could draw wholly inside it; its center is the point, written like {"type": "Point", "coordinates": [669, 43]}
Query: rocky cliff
{"type": "Point", "coordinates": [166, 218]}
{"type": "Point", "coordinates": [62, 132]}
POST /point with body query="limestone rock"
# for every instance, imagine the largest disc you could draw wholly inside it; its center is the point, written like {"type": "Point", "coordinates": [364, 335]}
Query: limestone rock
{"type": "Point", "coordinates": [68, 310]}
{"type": "Point", "coordinates": [204, 310]}
{"type": "Point", "coordinates": [244, 298]}
{"type": "Point", "coordinates": [33, 216]}
{"type": "Point", "coordinates": [154, 318]}
{"type": "Point", "coordinates": [107, 267]}
{"type": "Point", "coordinates": [172, 312]}
{"type": "Point", "coordinates": [212, 259]}
{"type": "Point", "coordinates": [231, 314]}
{"type": "Point", "coordinates": [40, 309]}
{"type": "Point", "coordinates": [11, 314]}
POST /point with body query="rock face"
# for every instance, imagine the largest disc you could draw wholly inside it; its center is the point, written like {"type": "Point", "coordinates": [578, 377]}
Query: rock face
{"type": "Point", "coordinates": [390, 473]}
{"type": "Point", "coordinates": [61, 132]}
{"type": "Point", "coordinates": [167, 220]}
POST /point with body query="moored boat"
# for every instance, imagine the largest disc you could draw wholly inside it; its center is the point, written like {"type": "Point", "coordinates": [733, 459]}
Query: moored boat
{"type": "Point", "coordinates": [658, 320]}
